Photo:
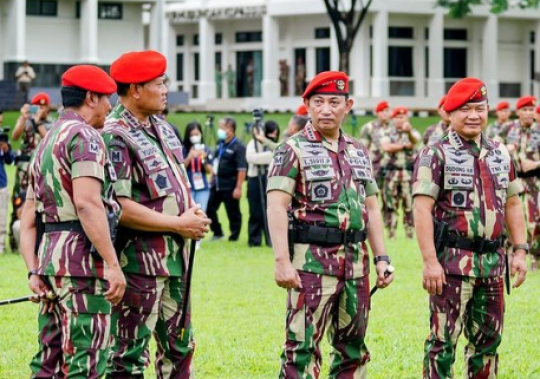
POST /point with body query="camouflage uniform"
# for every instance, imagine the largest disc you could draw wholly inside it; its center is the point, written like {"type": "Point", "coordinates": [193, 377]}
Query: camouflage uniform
{"type": "Point", "coordinates": [470, 185]}
{"type": "Point", "coordinates": [73, 339]}
{"type": "Point", "coordinates": [434, 133]}
{"type": "Point", "coordinates": [149, 165]}
{"type": "Point", "coordinates": [328, 184]}
{"type": "Point", "coordinates": [496, 129]}
{"type": "Point", "coordinates": [397, 181]}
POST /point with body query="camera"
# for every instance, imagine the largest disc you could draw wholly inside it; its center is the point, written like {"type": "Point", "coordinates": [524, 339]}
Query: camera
{"type": "Point", "coordinates": [33, 109]}
{"type": "Point", "coordinates": [4, 135]}
{"type": "Point", "coordinates": [258, 118]}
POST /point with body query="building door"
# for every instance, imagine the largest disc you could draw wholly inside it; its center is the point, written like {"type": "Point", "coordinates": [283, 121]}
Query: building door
{"type": "Point", "coordinates": [248, 73]}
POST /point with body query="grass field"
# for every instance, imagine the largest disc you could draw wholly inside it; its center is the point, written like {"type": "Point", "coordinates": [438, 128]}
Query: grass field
{"type": "Point", "coordinates": [238, 314]}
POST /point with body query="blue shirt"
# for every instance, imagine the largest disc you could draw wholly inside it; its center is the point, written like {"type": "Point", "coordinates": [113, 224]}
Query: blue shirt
{"type": "Point", "coordinates": [5, 158]}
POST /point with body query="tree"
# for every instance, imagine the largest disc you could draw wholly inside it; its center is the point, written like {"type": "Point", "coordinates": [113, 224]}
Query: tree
{"type": "Point", "coordinates": [347, 17]}
{"type": "Point", "coordinates": [346, 21]}
{"type": "Point", "coordinates": [461, 8]}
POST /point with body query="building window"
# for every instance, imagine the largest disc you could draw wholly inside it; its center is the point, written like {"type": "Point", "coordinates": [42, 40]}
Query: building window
{"type": "Point", "coordinates": [180, 67]}
{"type": "Point", "coordinates": [195, 40]}
{"type": "Point", "coordinates": [455, 34]}
{"type": "Point", "coordinates": [322, 33]}
{"type": "Point", "coordinates": [400, 61]}
{"type": "Point", "coordinates": [196, 66]}
{"type": "Point", "coordinates": [426, 33]}
{"type": "Point", "coordinates": [509, 89]}
{"type": "Point", "coordinates": [179, 40]}
{"type": "Point", "coordinates": [532, 37]}
{"type": "Point", "coordinates": [218, 38]}
{"type": "Point", "coordinates": [322, 59]}
{"type": "Point", "coordinates": [455, 62]}
{"type": "Point", "coordinates": [110, 11]}
{"type": "Point", "coordinates": [42, 8]}
{"type": "Point", "coordinates": [400, 32]}
{"type": "Point", "coordinates": [217, 61]}
{"type": "Point", "coordinates": [426, 61]}
{"type": "Point", "coordinates": [243, 37]}
{"type": "Point", "coordinates": [401, 88]}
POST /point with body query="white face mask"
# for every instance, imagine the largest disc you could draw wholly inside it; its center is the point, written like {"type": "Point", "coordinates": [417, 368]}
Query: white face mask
{"type": "Point", "coordinates": [195, 139]}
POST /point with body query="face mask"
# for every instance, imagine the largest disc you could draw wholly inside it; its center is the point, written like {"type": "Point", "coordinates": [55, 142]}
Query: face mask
{"type": "Point", "coordinates": [221, 135]}
{"type": "Point", "coordinates": [195, 139]}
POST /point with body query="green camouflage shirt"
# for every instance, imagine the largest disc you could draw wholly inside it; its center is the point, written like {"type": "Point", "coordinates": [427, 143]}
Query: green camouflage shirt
{"type": "Point", "coordinates": [370, 135]}
{"type": "Point", "coordinates": [329, 184]}
{"type": "Point", "coordinates": [470, 185]}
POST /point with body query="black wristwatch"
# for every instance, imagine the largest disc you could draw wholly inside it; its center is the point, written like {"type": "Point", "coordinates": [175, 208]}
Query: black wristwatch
{"type": "Point", "coordinates": [523, 246]}
{"type": "Point", "coordinates": [383, 258]}
{"type": "Point", "coordinates": [32, 272]}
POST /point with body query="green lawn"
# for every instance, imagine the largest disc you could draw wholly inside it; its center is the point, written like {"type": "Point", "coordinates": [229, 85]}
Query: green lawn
{"type": "Point", "coordinates": [238, 314]}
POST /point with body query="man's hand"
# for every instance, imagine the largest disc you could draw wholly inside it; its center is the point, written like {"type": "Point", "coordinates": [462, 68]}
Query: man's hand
{"type": "Point", "coordinates": [4, 147]}
{"type": "Point", "coordinates": [519, 266]}
{"type": "Point", "coordinates": [117, 282]}
{"type": "Point", "coordinates": [25, 111]}
{"type": "Point", "coordinates": [237, 193]}
{"type": "Point", "coordinates": [434, 277]}
{"type": "Point", "coordinates": [259, 135]}
{"type": "Point", "coordinates": [41, 289]}
{"type": "Point", "coordinates": [528, 165]}
{"type": "Point", "coordinates": [286, 275]}
{"type": "Point", "coordinates": [193, 224]}
{"type": "Point", "coordinates": [406, 127]}
{"type": "Point", "coordinates": [41, 114]}
{"type": "Point", "coordinates": [382, 280]}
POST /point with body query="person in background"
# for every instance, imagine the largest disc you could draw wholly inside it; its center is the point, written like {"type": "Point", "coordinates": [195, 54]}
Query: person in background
{"type": "Point", "coordinates": [259, 152]}
{"type": "Point", "coordinates": [437, 131]}
{"type": "Point", "coordinates": [198, 161]}
{"type": "Point", "coordinates": [503, 121]}
{"type": "Point", "coordinates": [296, 123]}
{"type": "Point", "coordinates": [6, 157]}
{"type": "Point", "coordinates": [24, 75]}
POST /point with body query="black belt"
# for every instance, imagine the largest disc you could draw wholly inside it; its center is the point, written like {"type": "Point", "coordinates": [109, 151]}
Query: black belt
{"type": "Point", "coordinates": [391, 167]}
{"type": "Point", "coordinates": [67, 226]}
{"type": "Point", "coordinates": [23, 158]}
{"type": "Point", "coordinates": [529, 174]}
{"type": "Point", "coordinates": [326, 236]}
{"type": "Point", "coordinates": [478, 245]}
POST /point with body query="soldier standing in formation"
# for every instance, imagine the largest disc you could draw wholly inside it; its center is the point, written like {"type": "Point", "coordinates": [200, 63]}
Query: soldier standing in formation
{"type": "Point", "coordinates": [503, 112]}
{"type": "Point", "coordinates": [321, 257]}
{"type": "Point", "coordinates": [71, 190]}
{"type": "Point", "coordinates": [467, 183]}
{"type": "Point", "coordinates": [158, 221]}
{"type": "Point", "coordinates": [399, 147]}
{"type": "Point", "coordinates": [435, 132]}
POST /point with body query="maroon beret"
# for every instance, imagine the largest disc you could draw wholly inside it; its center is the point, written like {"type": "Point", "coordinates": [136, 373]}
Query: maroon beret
{"type": "Point", "coordinates": [526, 101]}
{"type": "Point", "coordinates": [328, 82]}
{"type": "Point", "coordinates": [502, 105]}
{"type": "Point", "coordinates": [138, 67]}
{"type": "Point", "coordinates": [89, 78]}
{"type": "Point", "coordinates": [441, 102]}
{"type": "Point", "coordinates": [468, 90]}
{"type": "Point", "coordinates": [382, 106]}
{"type": "Point", "coordinates": [399, 110]}
{"type": "Point", "coordinates": [41, 98]}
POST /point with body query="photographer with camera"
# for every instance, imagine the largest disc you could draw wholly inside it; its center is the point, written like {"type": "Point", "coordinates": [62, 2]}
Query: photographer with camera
{"type": "Point", "coordinates": [198, 161]}
{"type": "Point", "coordinates": [6, 157]}
{"type": "Point", "coordinates": [24, 75]}
{"type": "Point", "coordinates": [259, 152]}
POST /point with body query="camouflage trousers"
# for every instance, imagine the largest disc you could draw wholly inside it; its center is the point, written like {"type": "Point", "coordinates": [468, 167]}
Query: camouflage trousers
{"type": "Point", "coordinates": [475, 306]}
{"type": "Point", "coordinates": [531, 202]}
{"type": "Point", "coordinates": [74, 339]}
{"type": "Point", "coordinates": [20, 185]}
{"type": "Point", "coordinates": [379, 178]}
{"type": "Point", "coordinates": [397, 191]}
{"type": "Point", "coordinates": [151, 305]}
{"type": "Point", "coordinates": [326, 303]}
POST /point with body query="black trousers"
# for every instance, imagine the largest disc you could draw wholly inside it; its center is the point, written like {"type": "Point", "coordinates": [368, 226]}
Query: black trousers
{"type": "Point", "coordinates": [256, 211]}
{"type": "Point", "coordinates": [232, 206]}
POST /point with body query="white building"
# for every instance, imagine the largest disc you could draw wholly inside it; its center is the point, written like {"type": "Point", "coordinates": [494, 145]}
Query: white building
{"type": "Point", "coordinates": [407, 51]}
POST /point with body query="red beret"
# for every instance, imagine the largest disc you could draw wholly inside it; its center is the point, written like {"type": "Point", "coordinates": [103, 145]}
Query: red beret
{"type": "Point", "coordinates": [41, 98]}
{"type": "Point", "coordinates": [538, 109]}
{"type": "Point", "coordinates": [302, 111]}
{"type": "Point", "coordinates": [526, 101]}
{"type": "Point", "coordinates": [381, 106]}
{"type": "Point", "coordinates": [90, 78]}
{"type": "Point", "coordinates": [441, 102]}
{"type": "Point", "coordinates": [138, 67]}
{"type": "Point", "coordinates": [400, 110]}
{"type": "Point", "coordinates": [468, 90]}
{"type": "Point", "coordinates": [328, 82]}
{"type": "Point", "coordinates": [502, 105]}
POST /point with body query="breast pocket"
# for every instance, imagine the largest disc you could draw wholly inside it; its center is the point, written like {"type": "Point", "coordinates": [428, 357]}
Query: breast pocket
{"type": "Point", "coordinates": [461, 190]}
{"type": "Point", "coordinates": [501, 186]}
{"type": "Point", "coordinates": [158, 176]}
{"type": "Point", "coordinates": [319, 184]}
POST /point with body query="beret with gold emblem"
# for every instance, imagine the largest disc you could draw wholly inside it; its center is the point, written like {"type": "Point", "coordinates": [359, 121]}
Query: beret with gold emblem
{"type": "Point", "coordinates": [399, 111]}
{"type": "Point", "coordinates": [526, 101]}
{"type": "Point", "coordinates": [468, 90]}
{"type": "Point", "coordinates": [138, 67]}
{"type": "Point", "coordinates": [502, 105]}
{"type": "Point", "coordinates": [41, 98]}
{"type": "Point", "coordinates": [382, 106]}
{"type": "Point", "coordinates": [328, 83]}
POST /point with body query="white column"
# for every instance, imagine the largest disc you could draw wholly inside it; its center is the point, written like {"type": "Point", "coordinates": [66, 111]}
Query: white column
{"type": "Point", "coordinates": [270, 80]}
{"type": "Point", "coordinates": [207, 51]}
{"type": "Point", "coordinates": [159, 27]}
{"type": "Point", "coordinates": [89, 31]}
{"type": "Point", "coordinates": [360, 61]}
{"type": "Point", "coordinates": [436, 86]}
{"type": "Point", "coordinates": [310, 63]}
{"type": "Point", "coordinates": [334, 50]}
{"type": "Point", "coordinates": [16, 27]}
{"type": "Point", "coordinates": [380, 82]}
{"type": "Point", "coordinates": [490, 41]}
{"type": "Point", "coordinates": [537, 57]}
{"type": "Point", "coordinates": [419, 61]}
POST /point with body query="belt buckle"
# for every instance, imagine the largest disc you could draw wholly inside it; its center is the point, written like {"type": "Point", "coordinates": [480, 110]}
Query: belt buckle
{"type": "Point", "coordinates": [481, 243]}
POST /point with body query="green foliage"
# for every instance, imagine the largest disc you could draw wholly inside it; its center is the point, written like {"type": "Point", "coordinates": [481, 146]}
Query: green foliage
{"type": "Point", "coordinates": [461, 8]}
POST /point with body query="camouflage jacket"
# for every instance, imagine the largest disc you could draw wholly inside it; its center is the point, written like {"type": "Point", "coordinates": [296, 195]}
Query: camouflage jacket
{"type": "Point", "coordinates": [150, 167]}
{"type": "Point", "coordinates": [71, 149]}
{"type": "Point", "coordinates": [510, 134]}
{"type": "Point", "coordinates": [528, 147]}
{"type": "Point", "coordinates": [496, 129]}
{"type": "Point", "coordinates": [403, 159]}
{"type": "Point", "coordinates": [370, 135]}
{"type": "Point", "coordinates": [329, 184]}
{"type": "Point", "coordinates": [31, 136]}
{"type": "Point", "coordinates": [434, 133]}
{"type": "Point", "coordinates": [470, 185]}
